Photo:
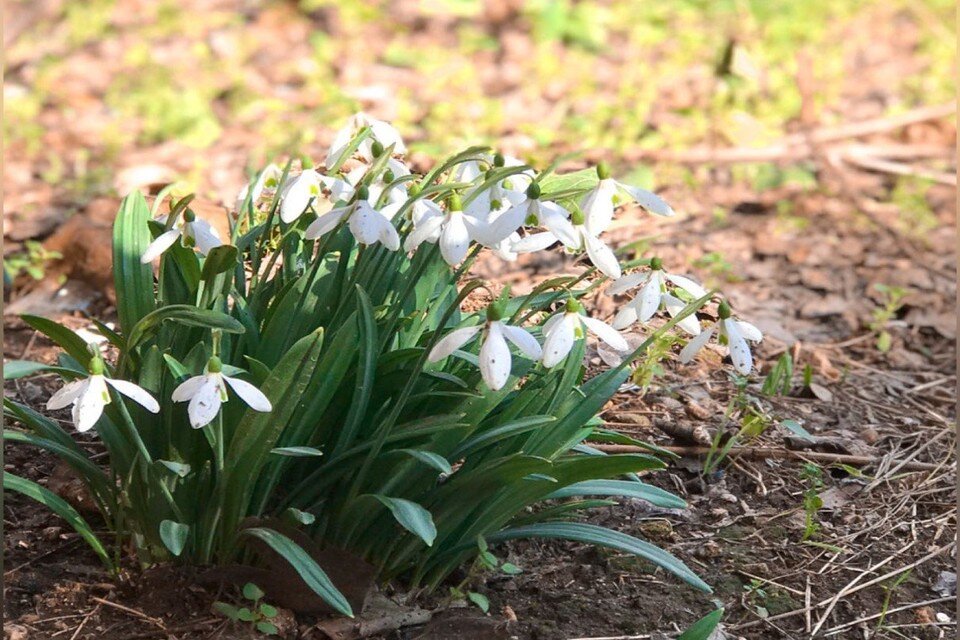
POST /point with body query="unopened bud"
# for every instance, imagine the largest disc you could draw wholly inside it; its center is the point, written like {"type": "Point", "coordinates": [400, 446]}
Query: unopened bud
{"type": "Point", "coordinates": [533, 191]}
{"type": "Point", "coordinates": [363, 192]}
{"type": "Point", "coordinates": [376, 149]}
{"type": "Point", "coordinates": [494, 312]}
{"type": "Point", "coordinates": [454, 203]}
{"type": "Point", "coordinates": [189, 215]}
{"type": "Point", "coordinates": [603, 171]}
{"type": "Point", "coordinates": [723, 310]}
{"type": "Point", "coordinates": [96, 366]}
{"type": "Point", "coordinates": [573, 306]}
{"type": "Point", "coordinates": [388, 176]}
{"type": "Point", "coordinates": [499, 160]}
{"type": "Point", "coordinates": [214, 365]}
{"type": "Point", "coordinates": [656, 264]}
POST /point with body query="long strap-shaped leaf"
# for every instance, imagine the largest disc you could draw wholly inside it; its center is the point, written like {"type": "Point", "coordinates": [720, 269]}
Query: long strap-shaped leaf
{"type": "Point", "coordinates": [132, 279]}
{"type": "Point", "coordinates": [306, 566]}
{"type": "Point", "coordinates": [601, 536]}
{"type": "Point", "coordinates": [59, 506]}
{"type": "Point", "coordinates": [625, 488]}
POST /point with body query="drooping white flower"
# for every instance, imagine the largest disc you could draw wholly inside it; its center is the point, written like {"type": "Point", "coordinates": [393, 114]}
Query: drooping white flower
{"type": "Point", "coordinates": [190, 230]}
{"type": "Point", "coordinates": [395, 194]}
{"type": "Point", "coordinates": [380, 131]}
{"type": "Point", "coordinates": [267, 182]}
{"type": "Point", "coordinates": [307, 189]}
{"type": "Point", "coordinates": [654, 295]}
{"type": "Point", "coordinates": [207, 392]}
{"type": "Point", "coordinates": [584, 239]}
{"type": "Point", "coordinates": [598, 203]}
{"type": "Point", "coordinates": [731, 333]}
{"type": "Point", "coordinates": [453, 229]}
{"type": "Point", "coordinates": [90, 395]}
{"type": "Point", "coordinates": [366, 224]}
{"type": "Point", "coordinates": [495, 358]}
{"type": "Point", "coordinates": [534, 212]}
{"type": "Point", "coordinates": [563, 329]}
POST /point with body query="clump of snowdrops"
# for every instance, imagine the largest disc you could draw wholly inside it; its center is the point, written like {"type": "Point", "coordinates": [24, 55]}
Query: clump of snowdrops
{"type": "Point", "coordinates": [319, 368]}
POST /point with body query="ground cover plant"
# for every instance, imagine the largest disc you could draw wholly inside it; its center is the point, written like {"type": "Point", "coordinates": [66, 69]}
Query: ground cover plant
{"type": "Point", "coordinates": [334, 365]}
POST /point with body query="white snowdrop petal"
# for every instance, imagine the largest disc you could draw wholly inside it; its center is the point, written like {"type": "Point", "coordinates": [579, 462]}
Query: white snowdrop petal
{"type": "Point", "coordinates": [495, 360]}
{"type": "Point", "coordinates": [650, 298]}
{"type": "Point", "coordinates": [693, 346]}
{"type": "Point", "coordinates": [205, 404]}
{"type": "Point", "coordinates": [425, 229]}
{"type": "Point", "coordinates": [325, 223]}
{"type": "Point", "coordinates": [674, 306]}
{"type": "Point", "coordinates": [606, 333]}
{"type": "Point", "coordinates": [602, 257]}
{"type": "Point", "coordinates": [551, 323]}
{"type": "Point", "coordinates": [254, 398]}
{"type": "Point", "coordinates": [559, 341]}
{"type": "Point", "coordinates": [625, 317]}
{"type": "Point", "coordinates": [188, 388]}
{"type": "Point", "coordinates": [160, 244]}
{"type": "Point", "coordinates": [455, 239]}
{"type": "Point", "coordinates": [206, 236]}
{"type": "Point", "coordinates": [534, 242]}
{"type": "Point", "coordinates": [451, 342]}
{"type": "Point", "coordinates": [508, 222]}
{"type": "Point", "coordinates": [739, 349]}
{"type": "Point", "coordinates": [388, 235]}
{"type": "Point", "coordinates": [649, 201]}
{"type": "Point", "coordinates": [749, 331]}
{"type": "Point", "coordinates": [554, 218]}
{"type": "Point", "coordinates": [687, 285]}
{"type": "Point", "coordinates": [297, 195]}
{"type": "Point", "coordinates": [627, 282]}
{"type": "Point", "coordinates": [364, 224]}
{"type": "Point", "coordinates": [88, 407]}
{"type": "Point", "coordinates": [66, 394]}
{"type": "Point", "coordinates": [597, 206]}
{"type": "Point", "coordinates": [135, 393]}
{"type": "Point", "coordinates": [527, 344]}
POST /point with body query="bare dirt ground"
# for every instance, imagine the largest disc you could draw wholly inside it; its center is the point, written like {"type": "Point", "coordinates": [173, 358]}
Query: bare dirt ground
{"type": "Point", "coordinates": [800, 255]}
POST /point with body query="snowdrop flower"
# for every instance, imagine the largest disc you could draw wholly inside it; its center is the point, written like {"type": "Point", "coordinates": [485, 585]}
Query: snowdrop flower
{"type": "Point", "coordinates": [495, 358]}
{"type": "Point", "coordinates": [307, 188]}
{"type": "Point", "coordinates": [452, 229]}
{"type": "Point", "coordinates": [191, 230]}
{"type": "Point", "coordinates": [208, 391]}
{"type": "Point", "coordinates": [380, 131]}
{"type": "Point", "coordinates": [532, 211]}
{"type": "Point", "coordinates": [395, 194]}
{"type": "Point", "coordinates": [598, 203]}
{"type": "Point", "coordinates": [268, 180]}
{"type": "Point", "coordinates": [563, 329]}
{"type": "Point", "coordinates": [733, 334]}
{"type": "Point", "coordinates": [584, 240]}
{"type": "Point", "coordinates": [366, 224]}
{"type": "Point", "coordinates": [90, 395]}
{"type": "Point", "coordinates": [653, 296]}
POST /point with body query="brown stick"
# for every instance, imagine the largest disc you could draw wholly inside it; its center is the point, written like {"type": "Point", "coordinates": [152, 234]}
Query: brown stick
{"type": "Point", "coordinates": [763, 453]}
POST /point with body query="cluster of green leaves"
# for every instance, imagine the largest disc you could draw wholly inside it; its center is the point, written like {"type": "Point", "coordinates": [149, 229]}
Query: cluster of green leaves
{"type": "Point", "coordinates": [259, 615]}
{"type": "Point", "coordinates": [369, 447]}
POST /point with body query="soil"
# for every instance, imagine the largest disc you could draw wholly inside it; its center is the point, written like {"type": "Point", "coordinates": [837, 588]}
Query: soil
{"type": "Point", "coordinates": [802, 263]}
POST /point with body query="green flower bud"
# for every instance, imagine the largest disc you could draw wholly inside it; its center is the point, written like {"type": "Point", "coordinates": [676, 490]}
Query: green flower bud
{"type": "Point", "coordinates": [603, 171]}
{"type": "Point", "coordinates": [533, 191]}
{"type": "Point", "coordinates": [573, 306]}
{"type": "Point", "coordinates": [414, 190]}
{"type": "Point", "coordinates": [214, 365]}
{"type": "Point", "coordinates": [494, 311]}
{"type": "Point", "coordinates": [363, 192]}
{"type": "Point", "coordinates": [388, 176]}
{"type": "Point", "coordinates": [656, 264]}
{"type": "Point", "coordinates": [576, 216]}
{"type": "Point", "coordinates": [499, 160]}
{"type": "Point", "coordinates": [723, 310]}
{"type": "Point", "coordinates": [376, 149]}
{"type": "Point", "coordinates": [96, 366]}
{"type": "Point", "coordinates": [189, 215]}
{"type": "Point", "coordinates": [454, 203]}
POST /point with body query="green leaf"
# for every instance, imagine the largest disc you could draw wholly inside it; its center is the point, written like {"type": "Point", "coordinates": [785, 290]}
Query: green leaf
{"type": "Point", "coordinates": [797, 429]}
{"type": "Point", "coordinates": [626, 488]}
{"type": "Point", "coordinates": [297, 452]}
{"type": "Point", "coordinates": [252, 591]}
{"type": "Point", "coordinates": [243, 613]}
{"type": "Point", "coordinates": [181, 469]}
{"type": "Point", "coordinates": [703, 628]}
{"type": "Point", "coordinates": [65, 338]}
{"type": "Point", "coordinates": [480, 600]}
{"type": "Point", "coordinates": [510, 569]}
{"type": "Point", "coordinates": [174, 535]}
{"type": "Point", "coordinates": [592, 534]}
{"type": "Point", "coordinates": [303, 517]}
{"type": "Point", "coordinates": [430, 459]}
{"type": "Point", "coordinates": [133, 280]}
{"type": "Point", "coordinates": [267, 628]}
{"type": "Point", "coordinates": [60, 507]}
{"type": "Point", "coordinates": [411, 517]}
{"type": "Point", "coordinates": [15, 369]}
{"type": "Point", "coordinates": [227, 610]}
{"type": "Point", "coordinates": [220, 260]}
{"type": "Point", "coordinates": [304, 565]}
{"type": "Point", "coordinates": [268, 610]}
{"type": "Point", "coordinates": [182, 314]}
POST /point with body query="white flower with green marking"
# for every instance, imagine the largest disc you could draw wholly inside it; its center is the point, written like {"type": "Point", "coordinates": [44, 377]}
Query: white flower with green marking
{"type": "Point", "coordinates": [267, 182]}
{"type": "Point", "coordinates": [207, 392]}
{"type": "Point", "coordinates": [599, 203]}
{"type": "Point", "coordinates": [495, 358]}
{"type": "Point", "coordinates": [90, 395]}
{"type": "Point", "coordinates": [190, 230]}
{"type": "Point", "coordinates": [562, 330]}
{"type": "Point", "coordinates": [452, 229]}
{"type": "Point", "coordinates": [367, 225]}
{"type": "Point", "coordinates": [654, 295]}
{"type": "Point", "coordinates": [380, 131]}
{"type": "Point", "coordinates": [732, 334]}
